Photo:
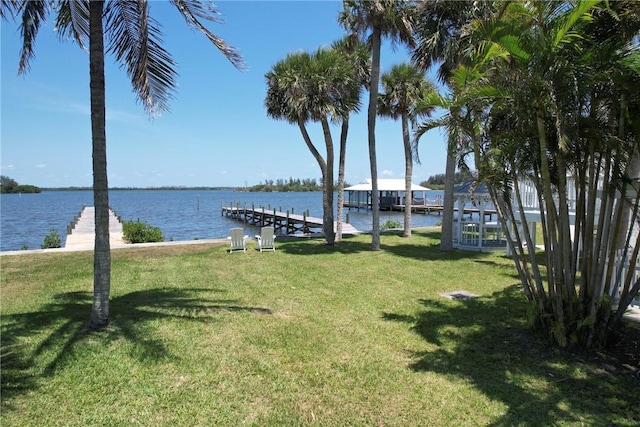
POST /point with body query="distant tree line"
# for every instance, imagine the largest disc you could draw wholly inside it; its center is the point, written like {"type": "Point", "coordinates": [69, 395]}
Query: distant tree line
{"type": "Point", "coordinates": [8, 185]}
{"type": "Point", "coordinates": [298, 184]}
{"type": "Point", "coordinates": [436, 182]}
{"type": "Point", "coordinates": [167, 187]}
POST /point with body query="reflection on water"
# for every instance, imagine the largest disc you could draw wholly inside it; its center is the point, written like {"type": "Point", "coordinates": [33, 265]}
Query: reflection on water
{"type": "Point", "coordinates": [181, 214]}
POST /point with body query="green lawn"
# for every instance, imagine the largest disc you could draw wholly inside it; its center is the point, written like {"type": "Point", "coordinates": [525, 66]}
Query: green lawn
{"type": "Point", "coordinates": [307, 335]}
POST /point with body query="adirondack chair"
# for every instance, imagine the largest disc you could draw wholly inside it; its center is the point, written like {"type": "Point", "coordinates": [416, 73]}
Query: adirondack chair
{"type": "Point", "coordinates": [266, 239]}
{"type": "Point", "coordinates": [238, 240]}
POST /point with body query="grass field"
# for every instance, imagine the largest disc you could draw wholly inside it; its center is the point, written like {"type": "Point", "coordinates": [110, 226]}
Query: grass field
{"type": "Point", "coordinates": [308, 335]}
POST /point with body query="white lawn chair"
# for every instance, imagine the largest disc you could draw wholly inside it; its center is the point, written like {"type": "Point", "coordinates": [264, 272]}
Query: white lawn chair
{"type": "Point", "coordinates": [266, 239]}
{"type": "Point", "coordinates": [238, 240]}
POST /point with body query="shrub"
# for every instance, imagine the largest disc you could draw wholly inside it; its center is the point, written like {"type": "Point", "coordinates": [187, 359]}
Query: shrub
{"type": "Point", "coordinates": [52, 240]}
{"type": "Point", "coordinates": [390, 224]}
{"type": "Point", "coordinates": [141, 232]}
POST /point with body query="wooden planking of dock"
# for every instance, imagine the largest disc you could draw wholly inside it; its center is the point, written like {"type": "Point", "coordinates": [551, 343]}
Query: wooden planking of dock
{"type": "Point", "coordinates": [83, 236]}
{"type": "Point", "coordinates": [283, 222]}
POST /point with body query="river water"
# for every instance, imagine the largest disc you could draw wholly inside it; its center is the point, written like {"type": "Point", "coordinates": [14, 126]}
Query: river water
{"type": "Point", "coordinates": [181, 214]}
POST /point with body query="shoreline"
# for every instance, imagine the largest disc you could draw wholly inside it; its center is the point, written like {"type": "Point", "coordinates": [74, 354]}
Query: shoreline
{"type": "Point", "coordinates": [176, 242]}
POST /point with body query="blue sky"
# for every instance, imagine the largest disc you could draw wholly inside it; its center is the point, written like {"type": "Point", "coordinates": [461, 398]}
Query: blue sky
{"type": "Point", "coordinates": [216, 133]}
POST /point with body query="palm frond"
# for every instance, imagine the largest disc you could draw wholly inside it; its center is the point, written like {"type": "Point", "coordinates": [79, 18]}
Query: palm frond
{"type": "Point", "coordinates": [191, 10]}
{"type": "Point", "coordinates": [33, 14]}
{"type": "Point", "coordinates": [632, 61]}
{"type": "Point", "coordinates": [433, 100]}
{"type": "Point", "coordinates": [580, 12]}
{"type": "Point", "coordinates": [444, 122]}
{"type": "Point", "coordinates": [427, 125]}
{"type": "Point", "coordinates": [135, 40]}
{"type": "Point", "coordinates": [73, 21]}
{"type": "Point", "coordinates": [10, 8]}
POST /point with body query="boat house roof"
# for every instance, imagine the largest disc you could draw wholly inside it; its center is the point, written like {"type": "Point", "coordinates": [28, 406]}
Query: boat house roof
{"type": "Point", "coordinates": [385, 185]}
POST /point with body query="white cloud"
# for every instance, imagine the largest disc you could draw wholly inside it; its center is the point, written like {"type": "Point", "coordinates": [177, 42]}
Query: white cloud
{"type": "Point", "coordinates": [64, 106]}
{"type": "Point", "coordinates": [41, 166]}
{"type": "Point", "coordinates": [121, 116]}
{"type": "Point", "coordinates": [8, 167]}
{"type": "Point", "coordinates": [83, 109]}
{"type": "Point", "coordinates": [387, 172]}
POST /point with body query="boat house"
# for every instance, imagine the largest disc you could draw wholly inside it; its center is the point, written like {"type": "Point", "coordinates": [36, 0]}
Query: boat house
{"type": "Point", "coordinates": [391, 193]}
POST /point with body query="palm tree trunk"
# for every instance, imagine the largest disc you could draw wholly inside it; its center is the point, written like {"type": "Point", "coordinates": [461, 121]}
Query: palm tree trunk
{"type": "Point", "coordinates": [341, 162]}
{"type": "Point", "coordinates": [329, 236]}
{"type": "Point", "coordinates": [408, 172]}
{"type": "Point", "coordinates": [102, 250]}
{"type": "Point", "coordinates": [446, 239]}
{"type": "Point", "coordinates": [554, 263]}
{"type": "Point", "coordinates": [328, 185]}
{"type": "Point", "coordinates": [371, 125]}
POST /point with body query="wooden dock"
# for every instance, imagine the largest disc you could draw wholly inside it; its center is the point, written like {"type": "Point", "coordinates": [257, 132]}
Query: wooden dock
{"type": "Point", "coordinates": [82, 230]}
{"type": "Point", "coordinates": [283, 222]}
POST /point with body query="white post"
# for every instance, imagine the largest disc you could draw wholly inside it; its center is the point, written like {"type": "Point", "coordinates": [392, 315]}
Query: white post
{"type": "Point", "coordinates": [460, 210]}
{"type": "Point", "coordinates": [481, 230]}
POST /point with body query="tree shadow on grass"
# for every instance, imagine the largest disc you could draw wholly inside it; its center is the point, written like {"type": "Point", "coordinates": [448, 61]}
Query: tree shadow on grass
{"type": "Point", "coordinates": [508, 268]}
{"type": "Point", "coordinates": [431, 252]}
{"type": "Point", "coordinates": [484, 342]}
{"type": "Point", "coordinates": [427, 248]}
{"type": "Point", "coordinates": [317, 246]}
{"type": "Point", "coordinates": [418, 248]}
{"type": "Point", "coordinates": [62, 324]}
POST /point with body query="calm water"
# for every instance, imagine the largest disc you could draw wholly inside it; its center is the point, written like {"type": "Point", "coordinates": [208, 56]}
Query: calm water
{"type": "Point", "coordinates": [181, 214]}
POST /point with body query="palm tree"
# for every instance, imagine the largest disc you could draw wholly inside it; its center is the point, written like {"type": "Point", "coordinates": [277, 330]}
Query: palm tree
{"type": "Point", "coordinates": [319, 87]}
{"type": "Point", "coordinates": [380, 18]}
{"type": "Point", "coordinates": [459, 133]}
{"type": "Point", "coordinates": [566, 115]}
{"type": "Point", "coordinates": [440, 33]}
{"type": "Point", "coordinates": [358, 54]}
{"type": "Point", "coordinates": [405, 86]}
{"type": "Point", "coordinates": [135, 40]}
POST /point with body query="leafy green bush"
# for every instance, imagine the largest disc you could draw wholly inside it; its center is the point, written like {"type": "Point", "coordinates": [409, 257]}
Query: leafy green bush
{"type": "Point", "coordinates": [141, 232]}
{"type": "Point", "coordinates": [52, 240]}
{"type": "Point", "coordinates": [390, 224]}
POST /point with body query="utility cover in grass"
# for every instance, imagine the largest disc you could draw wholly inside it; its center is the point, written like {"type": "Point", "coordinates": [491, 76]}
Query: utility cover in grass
{"type": "Point", "coordinates": [459, 295]}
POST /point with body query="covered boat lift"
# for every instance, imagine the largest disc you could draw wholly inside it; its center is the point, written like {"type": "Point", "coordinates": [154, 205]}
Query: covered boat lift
{"type": "Point", "coordinates": [391, 193]}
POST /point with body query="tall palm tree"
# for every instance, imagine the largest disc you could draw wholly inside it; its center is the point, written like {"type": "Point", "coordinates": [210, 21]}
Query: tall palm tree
{"type": "Point", "coordinates": [441, 33]}
{"type": "Point", "coordinates": [316, 87]}
{"type": "Point", "coordinates": [405, 86]}
{"type": "Point", "coordinates": [135, 40]}
{"type": "Point", "coordinates": [457, 121]}
{"type": "Point", "coordinates": [377, 19]}
{"type": "Point", "coordinates": [358, 54]}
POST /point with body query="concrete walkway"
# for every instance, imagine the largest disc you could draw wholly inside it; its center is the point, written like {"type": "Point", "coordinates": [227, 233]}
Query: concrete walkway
{"type": "Point", "coordinates": [83, 234]}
